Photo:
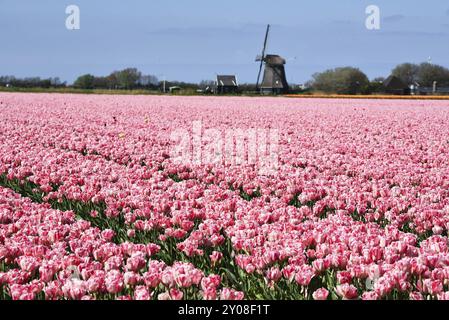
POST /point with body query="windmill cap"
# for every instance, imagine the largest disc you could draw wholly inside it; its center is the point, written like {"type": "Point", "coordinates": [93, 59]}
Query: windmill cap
{"type": "Point", "coordinates": [274, 59]}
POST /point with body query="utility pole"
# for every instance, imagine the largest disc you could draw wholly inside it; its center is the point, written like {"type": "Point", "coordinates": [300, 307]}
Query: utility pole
{"type": "Point", "coordinates": [163, 81]}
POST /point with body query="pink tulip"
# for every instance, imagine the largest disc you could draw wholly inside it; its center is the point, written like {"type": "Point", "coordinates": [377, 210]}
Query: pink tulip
{"type": "Point", "coordinates": [142, 293]}
{"type": "Point", "coordinates": [344, 277]}
{"type": "Point", "coordinates": [371, 295]}
{"type": "Point", "coordinates": [359, 192]}
{"type": "Point", "coordinates": [215, 257]}
{"type": "Point", "coordinates": [347, 291]}
{"type": "Point", "coordinates": [320, 294]}
{"type": "Point", "coordinates": [176, 294]}
{"type": "Point", "coordinates": [443, 296]}
{"type": "Point", "coordinates": [114, 281]}
{"type": "Point", "coordinates": [164, 296]}
{"type": "Point", "coordinates": [274, 274]}
{"type": "Point", "coordinates": [416, 296]}
{"type": "Point", "coordinates": [231, 294]}
{"type": "Point", "coordinates": [130, 278]}
{"type": "Point", "coordinates": [74, 289]}
{"type": "Point", "coordinates": [108, 234]}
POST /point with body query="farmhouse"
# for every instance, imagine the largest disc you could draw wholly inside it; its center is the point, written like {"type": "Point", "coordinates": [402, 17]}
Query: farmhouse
{"type": "Point", "coordinates": [226, 84]}
{"type": "Point", "coordinates": [394, 85]}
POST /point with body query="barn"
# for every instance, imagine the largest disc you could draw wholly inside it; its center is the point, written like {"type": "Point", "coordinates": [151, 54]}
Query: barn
{"type": "Point", "coordinates": [394, 85]}
{"type": "Point", "coordinates": [226, 84]}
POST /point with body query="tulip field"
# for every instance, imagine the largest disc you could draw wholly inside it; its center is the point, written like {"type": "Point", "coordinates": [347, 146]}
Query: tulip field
{"type": "Point", "coordinates": [93, 205]}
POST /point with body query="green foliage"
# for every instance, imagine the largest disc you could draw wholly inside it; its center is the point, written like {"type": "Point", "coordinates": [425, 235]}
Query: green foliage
{"type": "Point", "coordinates": [376, 86]}
{"type": "Point", "coordinates": [425, 74]}
{"type": "Point", "coordinates": [428, 73]}
{"type": "Point", "coordinates": [407, 72]}
{"type": "Point", "coordinates": [85, 81]}
{"type": "Point", "coordinates": [30, 82]}
{"type": "Point", "coordinates": [346, 80]}
{"type": "Point", "coordinates": [127, 78]}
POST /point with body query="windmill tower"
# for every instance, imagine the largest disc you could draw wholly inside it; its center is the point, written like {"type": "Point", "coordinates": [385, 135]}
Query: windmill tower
{"type": "Point", "coordinates": [274, 80]}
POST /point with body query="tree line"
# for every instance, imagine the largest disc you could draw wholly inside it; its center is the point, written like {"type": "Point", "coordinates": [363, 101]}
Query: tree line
{"type": "Point", "coordinates": [344, 80]}
{"type": "Point", "coordinates": [31, 82]}
{"type": "Point", "coordinates": [349, 80]}
{"type": "Point", "coordinates": [126, 79]}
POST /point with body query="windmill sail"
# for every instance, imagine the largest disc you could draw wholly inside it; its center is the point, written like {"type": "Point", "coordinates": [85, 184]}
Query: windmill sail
{"type": "Point", "coordinates": [261, 58]}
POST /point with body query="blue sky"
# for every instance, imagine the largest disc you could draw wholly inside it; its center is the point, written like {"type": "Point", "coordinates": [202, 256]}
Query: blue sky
{"type": "Point", "coordinates": [192, 40]}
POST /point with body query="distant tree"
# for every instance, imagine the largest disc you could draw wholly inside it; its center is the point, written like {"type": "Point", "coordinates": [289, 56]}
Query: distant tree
{"type": "Point", "coordinates": [101, 83]}
{"type": "Point", "coordinates": [6, 80]}
{"type": "Point", "coordinates": [85, 81]}
{"type": "Point", "coordinates": [376, 85]}
{"type": "Point", "coordinates": [57, 83]}
{"type": "Point", "coordinates": [206, 83]}
{"type": "Point", "coordinates": [112, 81]}
{"type": "Point", "coordinates": [148, 81]}
{"type": "Point", "coordinates": [31, 82]}
{"type": "Point", "coordinates": [44, 83]}
{"type": "Point", "coordinates": [247, 87]}
{"type": "Point", "coordinates": [407, 72]}
{"type": "Point", "coordinates": [346, 80]}
{"type": "Point", "coordinates": [428, 73]}
{"type": "Point", "coordinates": [127, 78]}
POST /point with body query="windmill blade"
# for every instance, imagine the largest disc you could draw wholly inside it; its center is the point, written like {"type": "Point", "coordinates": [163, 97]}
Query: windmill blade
{"type": "Point", "coordinates": [262, 57]}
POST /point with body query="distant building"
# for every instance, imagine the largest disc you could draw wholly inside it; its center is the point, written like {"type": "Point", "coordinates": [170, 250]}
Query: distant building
{"type": "Point", "coordinates": [226, 84]}
{"type": "Point", "coordinates": [174, 89]}
{"type": "Point", "coordinates": [394, 85]}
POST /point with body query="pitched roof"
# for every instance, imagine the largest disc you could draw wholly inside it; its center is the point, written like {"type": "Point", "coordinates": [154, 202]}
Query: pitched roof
{"type": "Point", "coordinates": [226, 81]}
{"type": "Point", "coordinates": [394, 83]}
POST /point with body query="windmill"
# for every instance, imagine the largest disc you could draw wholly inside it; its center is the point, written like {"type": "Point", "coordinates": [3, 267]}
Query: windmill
{"type": "Point", "coordinates": [274, 79]}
